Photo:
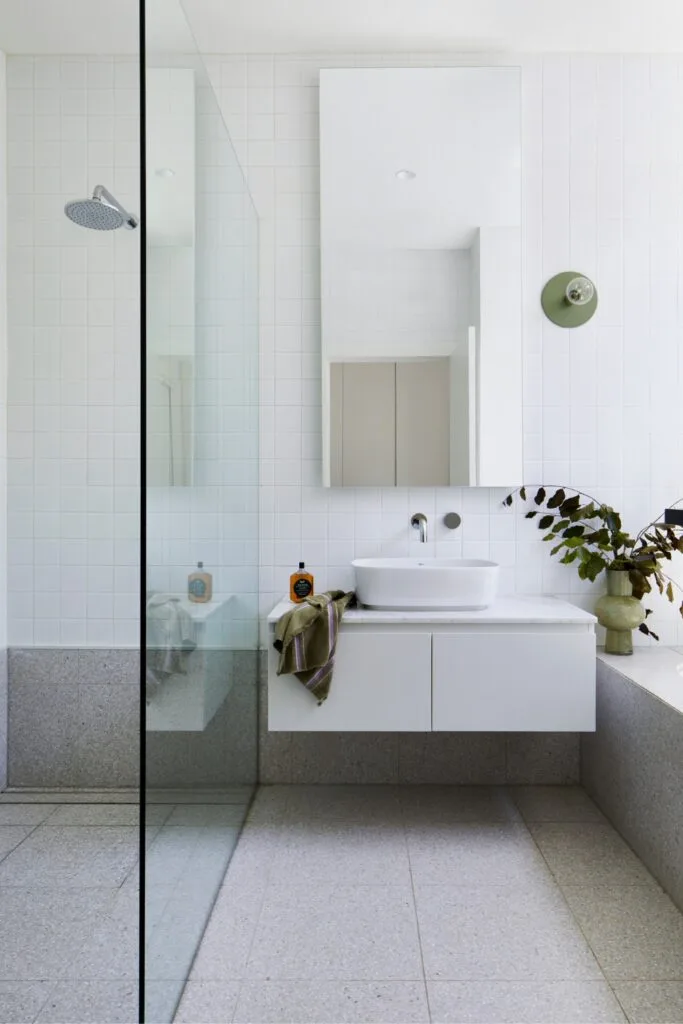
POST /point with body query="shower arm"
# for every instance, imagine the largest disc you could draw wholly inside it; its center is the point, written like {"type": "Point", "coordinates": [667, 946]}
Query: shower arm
{"type": "Point", "coordinates": [104, 195]}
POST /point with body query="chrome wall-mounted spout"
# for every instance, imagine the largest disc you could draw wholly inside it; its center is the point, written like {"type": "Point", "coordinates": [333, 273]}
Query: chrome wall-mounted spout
{"type": "Point", "coordinates": [419, 522]}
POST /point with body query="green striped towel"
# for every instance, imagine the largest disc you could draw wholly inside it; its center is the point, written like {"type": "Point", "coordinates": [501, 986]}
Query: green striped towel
{"type": "Point", "coordinates": [306, 639]}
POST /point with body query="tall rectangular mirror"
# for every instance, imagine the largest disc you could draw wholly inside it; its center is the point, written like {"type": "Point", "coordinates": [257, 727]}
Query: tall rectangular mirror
{"type": "Point", "coordinates": [421, 276]}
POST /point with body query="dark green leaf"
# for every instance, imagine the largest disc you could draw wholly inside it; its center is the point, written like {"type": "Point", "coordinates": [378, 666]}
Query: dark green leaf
{"type": "Point", "coordinates": [595, 565]}
{"type": "Point", "coordinates": [612, 519]}
{"type": "Point", "coordinates": [670, 591]}
{"type": "Point", "coordinates": [560, 525]}
{"type": "Point", "coordinates": [570, 556]}
{"type": "Point", "coordinates": [575, 531]}
{"type": "Point", "coordinates": [508, 500]}
{"type": "Point", "coordinates": [647, 631]}
{"type": "Point", "coordinates": [556, 500]}
{"type": "Point", "coordinates": [522, 493]}
{"type": "Point", "coordinates": [540, 496]}
{"type": "Point", "coordinates": [530, 515]}
{"type": "Point", "coordinates": [639, 583]}
{"type": "Point", "coordinates": [570, 505]}
{"type": "Point", "coordinates": [545, 521]}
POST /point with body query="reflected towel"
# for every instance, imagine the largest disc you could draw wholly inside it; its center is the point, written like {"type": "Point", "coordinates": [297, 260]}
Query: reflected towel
{"type": "Point", "coordinates": [169, 640]}
{"type": "Point", "coordinates": [306, 639]}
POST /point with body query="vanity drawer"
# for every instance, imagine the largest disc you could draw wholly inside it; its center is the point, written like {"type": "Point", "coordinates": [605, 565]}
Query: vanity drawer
{"type": "Point", "coordinates": [382, 683]}
{"type": "Point", "coordinates": [514, 682]}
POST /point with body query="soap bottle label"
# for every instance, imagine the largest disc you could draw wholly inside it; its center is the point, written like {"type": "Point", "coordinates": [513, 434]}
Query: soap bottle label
{"type": "Point", "coordinates": [302, 588]}
{"type": "Point", "coordinates": [197, 588]}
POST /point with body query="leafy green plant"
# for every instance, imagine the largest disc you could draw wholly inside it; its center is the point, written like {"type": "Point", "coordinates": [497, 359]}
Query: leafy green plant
{"type": "Point", "coordinates": [590, 534]}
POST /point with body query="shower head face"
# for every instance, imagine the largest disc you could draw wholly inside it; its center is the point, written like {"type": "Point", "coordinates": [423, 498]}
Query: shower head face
{"type": "Point", "coordinates": [101, 213]}
{"type": "Point", "coordinates": [95, 214]}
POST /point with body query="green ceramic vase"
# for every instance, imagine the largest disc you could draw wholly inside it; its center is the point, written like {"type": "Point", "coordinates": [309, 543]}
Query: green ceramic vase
{"type": "Point", "coordinates": [619, 612]}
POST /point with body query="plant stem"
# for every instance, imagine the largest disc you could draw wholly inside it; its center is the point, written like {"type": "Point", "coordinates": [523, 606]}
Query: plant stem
{"type": "Point", "coordinates": [654, 521]}
{"type": "Point", "coordinates": [561, 487]}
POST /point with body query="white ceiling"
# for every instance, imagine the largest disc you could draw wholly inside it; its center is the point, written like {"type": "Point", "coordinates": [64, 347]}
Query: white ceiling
{"type": "Point", "coordinates": [281, 26]}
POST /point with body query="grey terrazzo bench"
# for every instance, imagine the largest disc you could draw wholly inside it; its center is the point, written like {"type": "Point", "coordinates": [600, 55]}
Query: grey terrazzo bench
{"type": "Point", "coordinates": [632, 765]}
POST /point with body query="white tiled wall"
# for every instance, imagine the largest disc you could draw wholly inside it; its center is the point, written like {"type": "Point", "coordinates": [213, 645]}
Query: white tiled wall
{"type": "Point", "coordinates": [603, 406]}
{"type": "Point", "coordinates": [3, 430]}
{"type": "Point", "coordinates": [3, 387]}
{"type": "Point", "coordinates": [73, 350]}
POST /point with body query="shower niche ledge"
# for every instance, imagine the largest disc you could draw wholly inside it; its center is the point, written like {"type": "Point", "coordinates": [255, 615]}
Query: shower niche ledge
{"type": "Point", "coordinates": [525, 664]}
{"type": "Point", "coordinates": [187, 701]}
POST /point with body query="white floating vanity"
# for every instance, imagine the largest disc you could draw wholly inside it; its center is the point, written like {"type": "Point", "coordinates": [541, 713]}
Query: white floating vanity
{"type": "Point", "coordinates": [525, 664]}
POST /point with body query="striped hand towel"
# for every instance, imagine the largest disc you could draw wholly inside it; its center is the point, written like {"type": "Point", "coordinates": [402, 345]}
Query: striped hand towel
{"type": "Point", "coordinates": [306, 639]}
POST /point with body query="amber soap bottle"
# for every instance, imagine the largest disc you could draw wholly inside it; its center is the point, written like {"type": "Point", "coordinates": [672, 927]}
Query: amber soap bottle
{"type": "Point", "coordinates": [199, 585]}
{"type": "Point", "coordinates": [300, 584]}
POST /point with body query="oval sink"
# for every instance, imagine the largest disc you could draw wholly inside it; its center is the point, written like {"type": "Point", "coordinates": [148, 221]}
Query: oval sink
{"type": "Point", "coordinates": [425, 584]}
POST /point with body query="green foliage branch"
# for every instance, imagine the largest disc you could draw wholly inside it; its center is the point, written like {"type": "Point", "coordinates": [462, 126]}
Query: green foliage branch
{"type": "Point", "coordinates": [590, 534]}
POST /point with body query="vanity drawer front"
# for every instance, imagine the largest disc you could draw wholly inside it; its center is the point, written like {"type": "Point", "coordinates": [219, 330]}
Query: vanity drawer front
{"type": "Point", "coordinates": [381, 683]}
{"type": "Point", "coordinates": [514, 682]}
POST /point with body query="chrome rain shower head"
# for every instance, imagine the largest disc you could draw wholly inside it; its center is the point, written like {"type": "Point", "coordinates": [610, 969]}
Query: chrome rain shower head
{"type": "Point", "coordinates": [101, 213]}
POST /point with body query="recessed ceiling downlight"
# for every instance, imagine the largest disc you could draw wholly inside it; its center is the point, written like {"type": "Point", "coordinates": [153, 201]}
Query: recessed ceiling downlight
{"type": "Point", "coordinates": [405, 175]}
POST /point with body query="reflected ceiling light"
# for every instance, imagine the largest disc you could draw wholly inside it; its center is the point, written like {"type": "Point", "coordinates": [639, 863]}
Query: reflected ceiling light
{"type": "Point", "coordinates": [405, 175]}
{"type": "Point", "coordinates": [165, 172]}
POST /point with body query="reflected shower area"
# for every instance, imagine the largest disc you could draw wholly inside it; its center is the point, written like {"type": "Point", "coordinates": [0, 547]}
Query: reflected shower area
{"type": "Point", "coordinates": [202, 502]}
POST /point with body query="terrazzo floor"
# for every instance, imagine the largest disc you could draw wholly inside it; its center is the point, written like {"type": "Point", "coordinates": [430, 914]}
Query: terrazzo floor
{"type": "Point", "coordinates": [69, 899]}
{"type": "Point", "coordinates": [457, 905]}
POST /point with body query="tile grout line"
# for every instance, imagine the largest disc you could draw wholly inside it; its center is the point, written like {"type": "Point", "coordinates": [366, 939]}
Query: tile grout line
{"type": "Point", "coordinates": [258, 916]}
{"type": "Point", "coordinates": [417, 919]}
{"type": "Point", "coordinates": [578, 924]}
{"type": "Point", "coordinates": [51, 990]}
{"type": "Point", "coordinates": [21, 842]}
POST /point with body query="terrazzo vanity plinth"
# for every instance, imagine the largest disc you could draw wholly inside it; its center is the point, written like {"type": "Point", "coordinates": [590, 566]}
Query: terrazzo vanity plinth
{"type": "Point", "coordinates": [523, 664]}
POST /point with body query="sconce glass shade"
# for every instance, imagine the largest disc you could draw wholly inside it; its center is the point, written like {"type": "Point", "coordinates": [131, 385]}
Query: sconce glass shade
{"type": "Point", "coordinates": [579, 291]}
{"type": "Point", "coordinates": [569, 299]}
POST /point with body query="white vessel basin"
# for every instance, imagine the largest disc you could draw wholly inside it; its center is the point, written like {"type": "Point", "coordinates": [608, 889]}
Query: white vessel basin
{"type": "Point", "coordinates": [425, 584]}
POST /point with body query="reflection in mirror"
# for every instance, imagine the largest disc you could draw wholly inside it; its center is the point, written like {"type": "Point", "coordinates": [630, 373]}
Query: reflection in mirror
{"type": "Point", "coordinates": [170, 391]}
{"type": "Point", "coordinates": [171, 258]}
{"type": "Point", "coordinates": [421, 278]}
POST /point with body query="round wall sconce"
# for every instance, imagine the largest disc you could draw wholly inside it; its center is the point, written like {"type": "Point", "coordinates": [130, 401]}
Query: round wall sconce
{"type": "Point", "coordinates": [569, 299]}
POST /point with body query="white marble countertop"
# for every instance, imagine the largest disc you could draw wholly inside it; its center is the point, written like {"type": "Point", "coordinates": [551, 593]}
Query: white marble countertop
{"type": "Point", "coordinates": [656, 669]}
{"type": "Point", "coordinates": [505, 609]}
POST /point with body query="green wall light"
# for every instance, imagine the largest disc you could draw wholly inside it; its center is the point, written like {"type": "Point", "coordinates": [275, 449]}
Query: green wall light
{"type": "Point", "coordinates": [569, 299]}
